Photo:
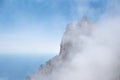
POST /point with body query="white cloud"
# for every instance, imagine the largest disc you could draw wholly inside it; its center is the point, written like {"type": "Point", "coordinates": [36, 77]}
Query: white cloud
{"type": "Point", "coordinates": [87, 57]}
{"type": "Point", "coordinates": [106, 7]}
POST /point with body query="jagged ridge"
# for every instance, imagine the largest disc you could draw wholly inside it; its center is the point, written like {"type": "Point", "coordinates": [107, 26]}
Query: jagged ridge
{"type": "Point", "coordinates": [67, 47]}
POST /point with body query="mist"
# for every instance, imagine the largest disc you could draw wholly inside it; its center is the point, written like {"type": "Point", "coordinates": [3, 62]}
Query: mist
{"type": "Point", "coordinates": [94, 53]}
{"type": "Point", "coordinates": [95, 56]}
{"type": "Point", "coordinates": [99, 57]}
{"type": "Point", "coordinates": [91, 52]}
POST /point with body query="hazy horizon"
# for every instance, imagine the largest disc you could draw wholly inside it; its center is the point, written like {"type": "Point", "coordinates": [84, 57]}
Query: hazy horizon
{"type": "Point", "coordinates": [19, 67]}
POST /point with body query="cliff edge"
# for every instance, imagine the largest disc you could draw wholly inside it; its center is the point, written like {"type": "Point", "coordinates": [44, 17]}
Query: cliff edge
{"type": "Point", "coordinates": [71, 43]}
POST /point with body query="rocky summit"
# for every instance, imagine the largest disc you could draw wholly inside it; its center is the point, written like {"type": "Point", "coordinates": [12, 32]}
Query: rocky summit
{"type": "Point", "coordinates": [71, 43]}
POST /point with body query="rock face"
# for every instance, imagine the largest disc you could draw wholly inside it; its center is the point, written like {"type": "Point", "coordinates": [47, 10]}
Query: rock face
{"type": "Point", "coordinates": [69, 44]}
{"type": "Point", "coordinates": [87, 52]}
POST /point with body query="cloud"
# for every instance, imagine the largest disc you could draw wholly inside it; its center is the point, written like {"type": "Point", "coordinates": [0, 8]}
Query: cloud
{"type": "Point", "coordinates": [94, 9]}
{"type": "Point", "coordinates": [93, 56]}
{"type": "Point", "coordinates": [97, 55]}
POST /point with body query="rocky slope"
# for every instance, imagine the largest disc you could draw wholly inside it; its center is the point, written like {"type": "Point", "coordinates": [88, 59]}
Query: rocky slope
{"type": "Point", "coordinates": [71, 43]}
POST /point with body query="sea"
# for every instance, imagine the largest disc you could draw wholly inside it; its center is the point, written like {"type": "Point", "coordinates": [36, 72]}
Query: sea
{"type": "Point", "coordinates": [18, 67]}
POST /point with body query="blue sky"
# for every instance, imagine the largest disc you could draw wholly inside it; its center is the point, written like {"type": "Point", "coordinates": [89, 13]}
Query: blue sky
{"type": "Point", "coordinates": [36, 26]}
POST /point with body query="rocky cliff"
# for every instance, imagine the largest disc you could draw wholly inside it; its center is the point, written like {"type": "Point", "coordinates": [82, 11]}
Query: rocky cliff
{"type": "Point", "coordinates": [71, 43]}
